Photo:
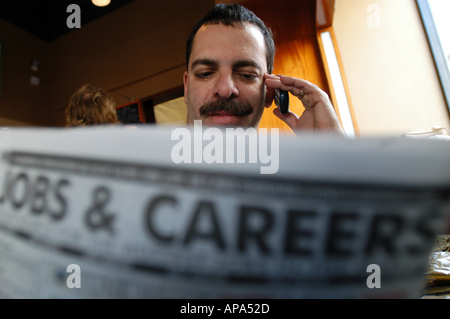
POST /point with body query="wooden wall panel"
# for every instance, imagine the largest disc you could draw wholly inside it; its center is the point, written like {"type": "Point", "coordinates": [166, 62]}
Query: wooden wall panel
{"type": "Point", "coordinates": [294, 26]}
{"type": "Point", "coordinates": [325, 13]}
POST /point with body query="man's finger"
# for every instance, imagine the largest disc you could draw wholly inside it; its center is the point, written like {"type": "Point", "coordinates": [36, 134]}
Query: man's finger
{"type": "Point", "coordinates": [289, 118]}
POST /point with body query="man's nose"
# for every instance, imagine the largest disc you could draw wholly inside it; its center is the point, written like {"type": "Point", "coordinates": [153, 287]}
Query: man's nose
{"type": "Point", "coordinates": [226, 86]}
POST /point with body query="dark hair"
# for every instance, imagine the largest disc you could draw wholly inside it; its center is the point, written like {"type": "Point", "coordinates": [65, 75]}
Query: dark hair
{"type": "Point", "coordinates": [229, 15]}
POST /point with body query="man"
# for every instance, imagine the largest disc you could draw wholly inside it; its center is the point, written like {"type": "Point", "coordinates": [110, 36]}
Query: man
{"type": "Point", "coordinates": [228, 81]}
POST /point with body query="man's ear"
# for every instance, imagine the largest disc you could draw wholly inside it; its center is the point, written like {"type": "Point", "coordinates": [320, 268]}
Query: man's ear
{"type": "Point", "coordinates": [270, 95]}
{"type": "Point", "coordinates": [185, 83]}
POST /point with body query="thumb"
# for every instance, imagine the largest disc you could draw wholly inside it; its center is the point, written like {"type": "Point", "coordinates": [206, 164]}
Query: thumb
{"type": "Point", "coordinates": [289, 118]}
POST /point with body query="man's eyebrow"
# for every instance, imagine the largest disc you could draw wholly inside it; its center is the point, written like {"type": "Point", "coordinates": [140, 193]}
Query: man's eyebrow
{"type": "Point", "coordinates": [246, 63]}
{"type": "Point", "coordinates": [207, 62]}
{"type": "Point", "coordinates": [236, 65]}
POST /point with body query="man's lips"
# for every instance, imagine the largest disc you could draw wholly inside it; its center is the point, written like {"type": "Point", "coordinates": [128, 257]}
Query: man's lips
{"type": "Point", "coordinates": [222, 113]}
{"type": "Point", "coordinates": [223, 118]}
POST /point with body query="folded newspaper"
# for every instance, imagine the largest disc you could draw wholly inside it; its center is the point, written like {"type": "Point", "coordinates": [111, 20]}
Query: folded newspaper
{"type": "Point", "coordinates": [147, 212]}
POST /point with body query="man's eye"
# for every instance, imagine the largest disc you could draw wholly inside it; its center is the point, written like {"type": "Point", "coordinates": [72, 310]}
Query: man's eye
{"type": "Point", "coordinates": [203, 75]}
{"type": "Point", "coordinates": [249, 77]}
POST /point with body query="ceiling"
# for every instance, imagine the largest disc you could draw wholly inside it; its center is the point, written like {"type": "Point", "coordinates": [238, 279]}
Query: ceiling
{"type": "Point", "coordinates": [47, 19]}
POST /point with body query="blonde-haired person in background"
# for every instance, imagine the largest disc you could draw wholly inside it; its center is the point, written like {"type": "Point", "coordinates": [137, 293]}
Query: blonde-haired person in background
{"type": "Point", "coordinates": [91, 105]}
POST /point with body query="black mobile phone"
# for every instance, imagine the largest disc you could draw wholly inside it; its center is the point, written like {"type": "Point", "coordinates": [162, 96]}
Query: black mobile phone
{"type": "Point", "coordinates": [282, 100]}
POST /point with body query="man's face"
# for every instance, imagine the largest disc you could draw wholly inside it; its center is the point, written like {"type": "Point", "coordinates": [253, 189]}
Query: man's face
{"type": "Point", "coordinates": [224, 84]}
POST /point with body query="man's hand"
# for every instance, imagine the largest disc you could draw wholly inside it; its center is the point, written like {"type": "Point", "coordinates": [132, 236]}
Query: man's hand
{"type": "Point", "coordinates": [319, 114]}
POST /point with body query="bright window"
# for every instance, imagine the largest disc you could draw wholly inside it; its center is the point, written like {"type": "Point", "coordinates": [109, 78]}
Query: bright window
{"type": "Point", "coordinates": [435, 16]}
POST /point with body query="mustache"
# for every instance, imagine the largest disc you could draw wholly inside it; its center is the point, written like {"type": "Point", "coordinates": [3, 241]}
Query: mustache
{"type": "Point", "coordinates": [235, 107]}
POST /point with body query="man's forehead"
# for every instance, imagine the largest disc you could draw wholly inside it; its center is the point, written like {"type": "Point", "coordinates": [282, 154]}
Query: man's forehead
{"type": "Point", "coordinates": [209, 36]}
{"type": "Point", "coordinates": [244, 27]}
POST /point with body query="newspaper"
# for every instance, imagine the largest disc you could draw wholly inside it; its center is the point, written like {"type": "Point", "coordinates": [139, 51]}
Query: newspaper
{"type": "Point", "coordinates": [119, 212]}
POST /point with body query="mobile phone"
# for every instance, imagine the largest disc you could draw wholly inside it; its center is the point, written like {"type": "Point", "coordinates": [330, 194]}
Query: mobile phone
{"type": "Point", "coordinates": [282, 100]}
